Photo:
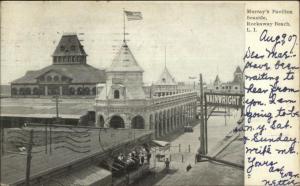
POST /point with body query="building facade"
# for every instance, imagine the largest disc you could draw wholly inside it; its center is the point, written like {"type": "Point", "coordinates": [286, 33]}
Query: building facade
{"type": "Point", "coordinates": [124, 102]}
{"type": "Point", "coordinates": [68, 75]}
{"type": "Point", "coordinates": [234, 86]}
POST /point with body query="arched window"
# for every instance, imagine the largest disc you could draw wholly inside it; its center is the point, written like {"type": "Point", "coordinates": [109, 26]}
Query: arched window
{"type": "Point", "coordinates": [36, 91]}
{"type": "Point", "coordinates": [79, 91]}
{"type": "Point", "coordinates": [14, 91]}
{"type": "Point", "coordinates": [137, 122]}
{"type": "Point", "coordinates": [27, 91]}
{"type": "Point", "coordinates": [22, 91]}
{"type": "Point", "coordinates": [116, 94]}
{"type": "Point", "coordinates": [163, 80]}
{"type": "Point", "coordinates": [49, 78]}
{"type": "Point", "coordinates": [73, 58]}
{"type": "Point", "coordinates": [56, 78]}
{"type": "Point", "coordinates": [71, 90]}
{"type": "Point", "coordinates": [65, 90]}
{"type": "Point", "coordinates": [116, 122]}
{"type": "Point", "coordinates": [86, 91]}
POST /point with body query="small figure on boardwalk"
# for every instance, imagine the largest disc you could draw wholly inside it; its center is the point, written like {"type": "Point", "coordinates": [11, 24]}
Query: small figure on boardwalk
{"type": "Point", "coordinates": [188, 167]}
{"type": "Point", "coordinates": [167, 162]}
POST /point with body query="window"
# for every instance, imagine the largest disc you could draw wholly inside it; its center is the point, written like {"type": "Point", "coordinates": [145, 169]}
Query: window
{"type": "Point", "coordinates": [27, 91]}
{"type": "Point", "coordinates": [163, 80]}
{"type": "Point", "coordinates": [73, 59]}
{"type": "Point", "coordinates": [62, 48]}
{"type": "Point", "coordinates": [49, 78]}
{"type": "Point", "coordinates": [86, 91]}
{"type": "Point", "coordinates": [235, 88]}
{"type": "Point", "coordinates": [79, 91]}
{"type": "Point", "coordinates": [71, 91]}
{"type": "Point", "coordinates": [116, 94]}
{"type": "Point", "coordinates": [55, 59]}
{"type": "Point", "coordinates": [56, 78]}
{"type": "Point", "coordinates": [36, 91]}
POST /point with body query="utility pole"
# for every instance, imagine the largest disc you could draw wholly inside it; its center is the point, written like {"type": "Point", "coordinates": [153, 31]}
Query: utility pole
{"type": "Point", "coordinates": [202, 137]}
{"type": "Point", "coordinates": [1, 147]}
{"type": "Point", "coordinates": [28, 163]}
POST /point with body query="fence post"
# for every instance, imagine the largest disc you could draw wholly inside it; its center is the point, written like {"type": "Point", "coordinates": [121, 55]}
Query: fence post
{"type": "Point", "coordinates": [28, 163]}
{"type": "Point", "coordinates": [182, 158]}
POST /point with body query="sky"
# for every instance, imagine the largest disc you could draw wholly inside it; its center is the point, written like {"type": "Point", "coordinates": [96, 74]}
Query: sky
{"type": "Point", "coordinates": [199, 37]}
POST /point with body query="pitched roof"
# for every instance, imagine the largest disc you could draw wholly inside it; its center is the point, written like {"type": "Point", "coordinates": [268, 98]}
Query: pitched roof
{"type": "Point", "coordinates": [166, 78]}
{"type": "Point", "coordinates": [124, 61]}
{"type": "Point", "coordinates": [238, 70]}
{"type": "Point", "coordinates": [237, 79]}
{"type": "Point", "coordinates": [79, 73]}
{"type": "Point", "coordinates": [69, 45]}
{"type": "Point", "coordinates": [217, 80]}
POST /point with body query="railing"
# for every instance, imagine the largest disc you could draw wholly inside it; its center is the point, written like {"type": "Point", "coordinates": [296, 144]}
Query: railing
{"type": "Point", "coordinates": [147, 102]}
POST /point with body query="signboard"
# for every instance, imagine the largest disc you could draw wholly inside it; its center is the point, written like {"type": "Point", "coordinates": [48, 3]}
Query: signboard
{"type": "Point", "coordinates": [224, 99]}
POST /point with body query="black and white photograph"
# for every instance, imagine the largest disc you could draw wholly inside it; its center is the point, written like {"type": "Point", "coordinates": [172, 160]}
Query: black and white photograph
{"type": "Point", "coordinates": [104, 93]}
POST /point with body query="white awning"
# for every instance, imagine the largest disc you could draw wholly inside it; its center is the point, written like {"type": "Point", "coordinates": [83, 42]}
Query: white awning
{"type": "Point", "coordinates": [160, 143]}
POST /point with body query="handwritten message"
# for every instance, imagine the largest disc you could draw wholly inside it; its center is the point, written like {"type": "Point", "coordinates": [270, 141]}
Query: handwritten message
{"type": "Point", "coordinates": [272, 97]}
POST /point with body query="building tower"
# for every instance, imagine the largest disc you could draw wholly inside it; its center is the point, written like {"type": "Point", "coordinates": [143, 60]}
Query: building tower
{"type": "Point", "coordinates": [124, 87]}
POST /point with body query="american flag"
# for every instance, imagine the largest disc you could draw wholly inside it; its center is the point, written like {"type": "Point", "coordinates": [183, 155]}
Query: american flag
{"type": "Point", "coordinates": [132, 16]}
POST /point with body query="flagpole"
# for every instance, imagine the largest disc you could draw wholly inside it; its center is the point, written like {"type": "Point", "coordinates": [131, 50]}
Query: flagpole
{"type": "Point", "coordinates": [124, 25]}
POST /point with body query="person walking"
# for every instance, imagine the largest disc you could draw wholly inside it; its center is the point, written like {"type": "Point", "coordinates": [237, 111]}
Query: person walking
{"type": "Point", "coordinates": [142, 159]}
{"type": "Point", "coordinates": [167, 162]}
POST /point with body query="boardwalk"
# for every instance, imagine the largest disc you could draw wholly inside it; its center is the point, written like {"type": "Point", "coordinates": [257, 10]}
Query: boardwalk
{"type": "Point", "coordinates": [14, 165]}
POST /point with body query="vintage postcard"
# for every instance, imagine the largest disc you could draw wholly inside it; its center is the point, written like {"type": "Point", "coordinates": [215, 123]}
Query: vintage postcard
{"type": "Point", "coordinates": [170, 93]}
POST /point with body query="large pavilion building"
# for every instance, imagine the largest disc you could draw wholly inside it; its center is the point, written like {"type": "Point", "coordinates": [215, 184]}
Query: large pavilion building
{"type": "Point", "coordinates": [68, 75]}
{"type": "Point", "coordinates": [124, 102]}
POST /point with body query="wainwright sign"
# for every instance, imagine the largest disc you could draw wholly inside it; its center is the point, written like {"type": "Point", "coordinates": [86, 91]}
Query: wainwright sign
{"type": "Point", "coordinates": [224, 99]}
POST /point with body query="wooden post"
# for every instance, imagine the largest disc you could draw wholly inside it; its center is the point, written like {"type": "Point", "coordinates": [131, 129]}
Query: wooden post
{"type": "Point", "coordinates": [202, 122]}
{"type": "Point", "coordinates": [50, 140]}
{"type": "Point", "coordinates": [46, 136]}
{"type": "Point", "coordinates": [28, 162]}
{"type": "Point", "coordinates": [189, 148]}
{"type": "Point", "coordinates": [205, 125]}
